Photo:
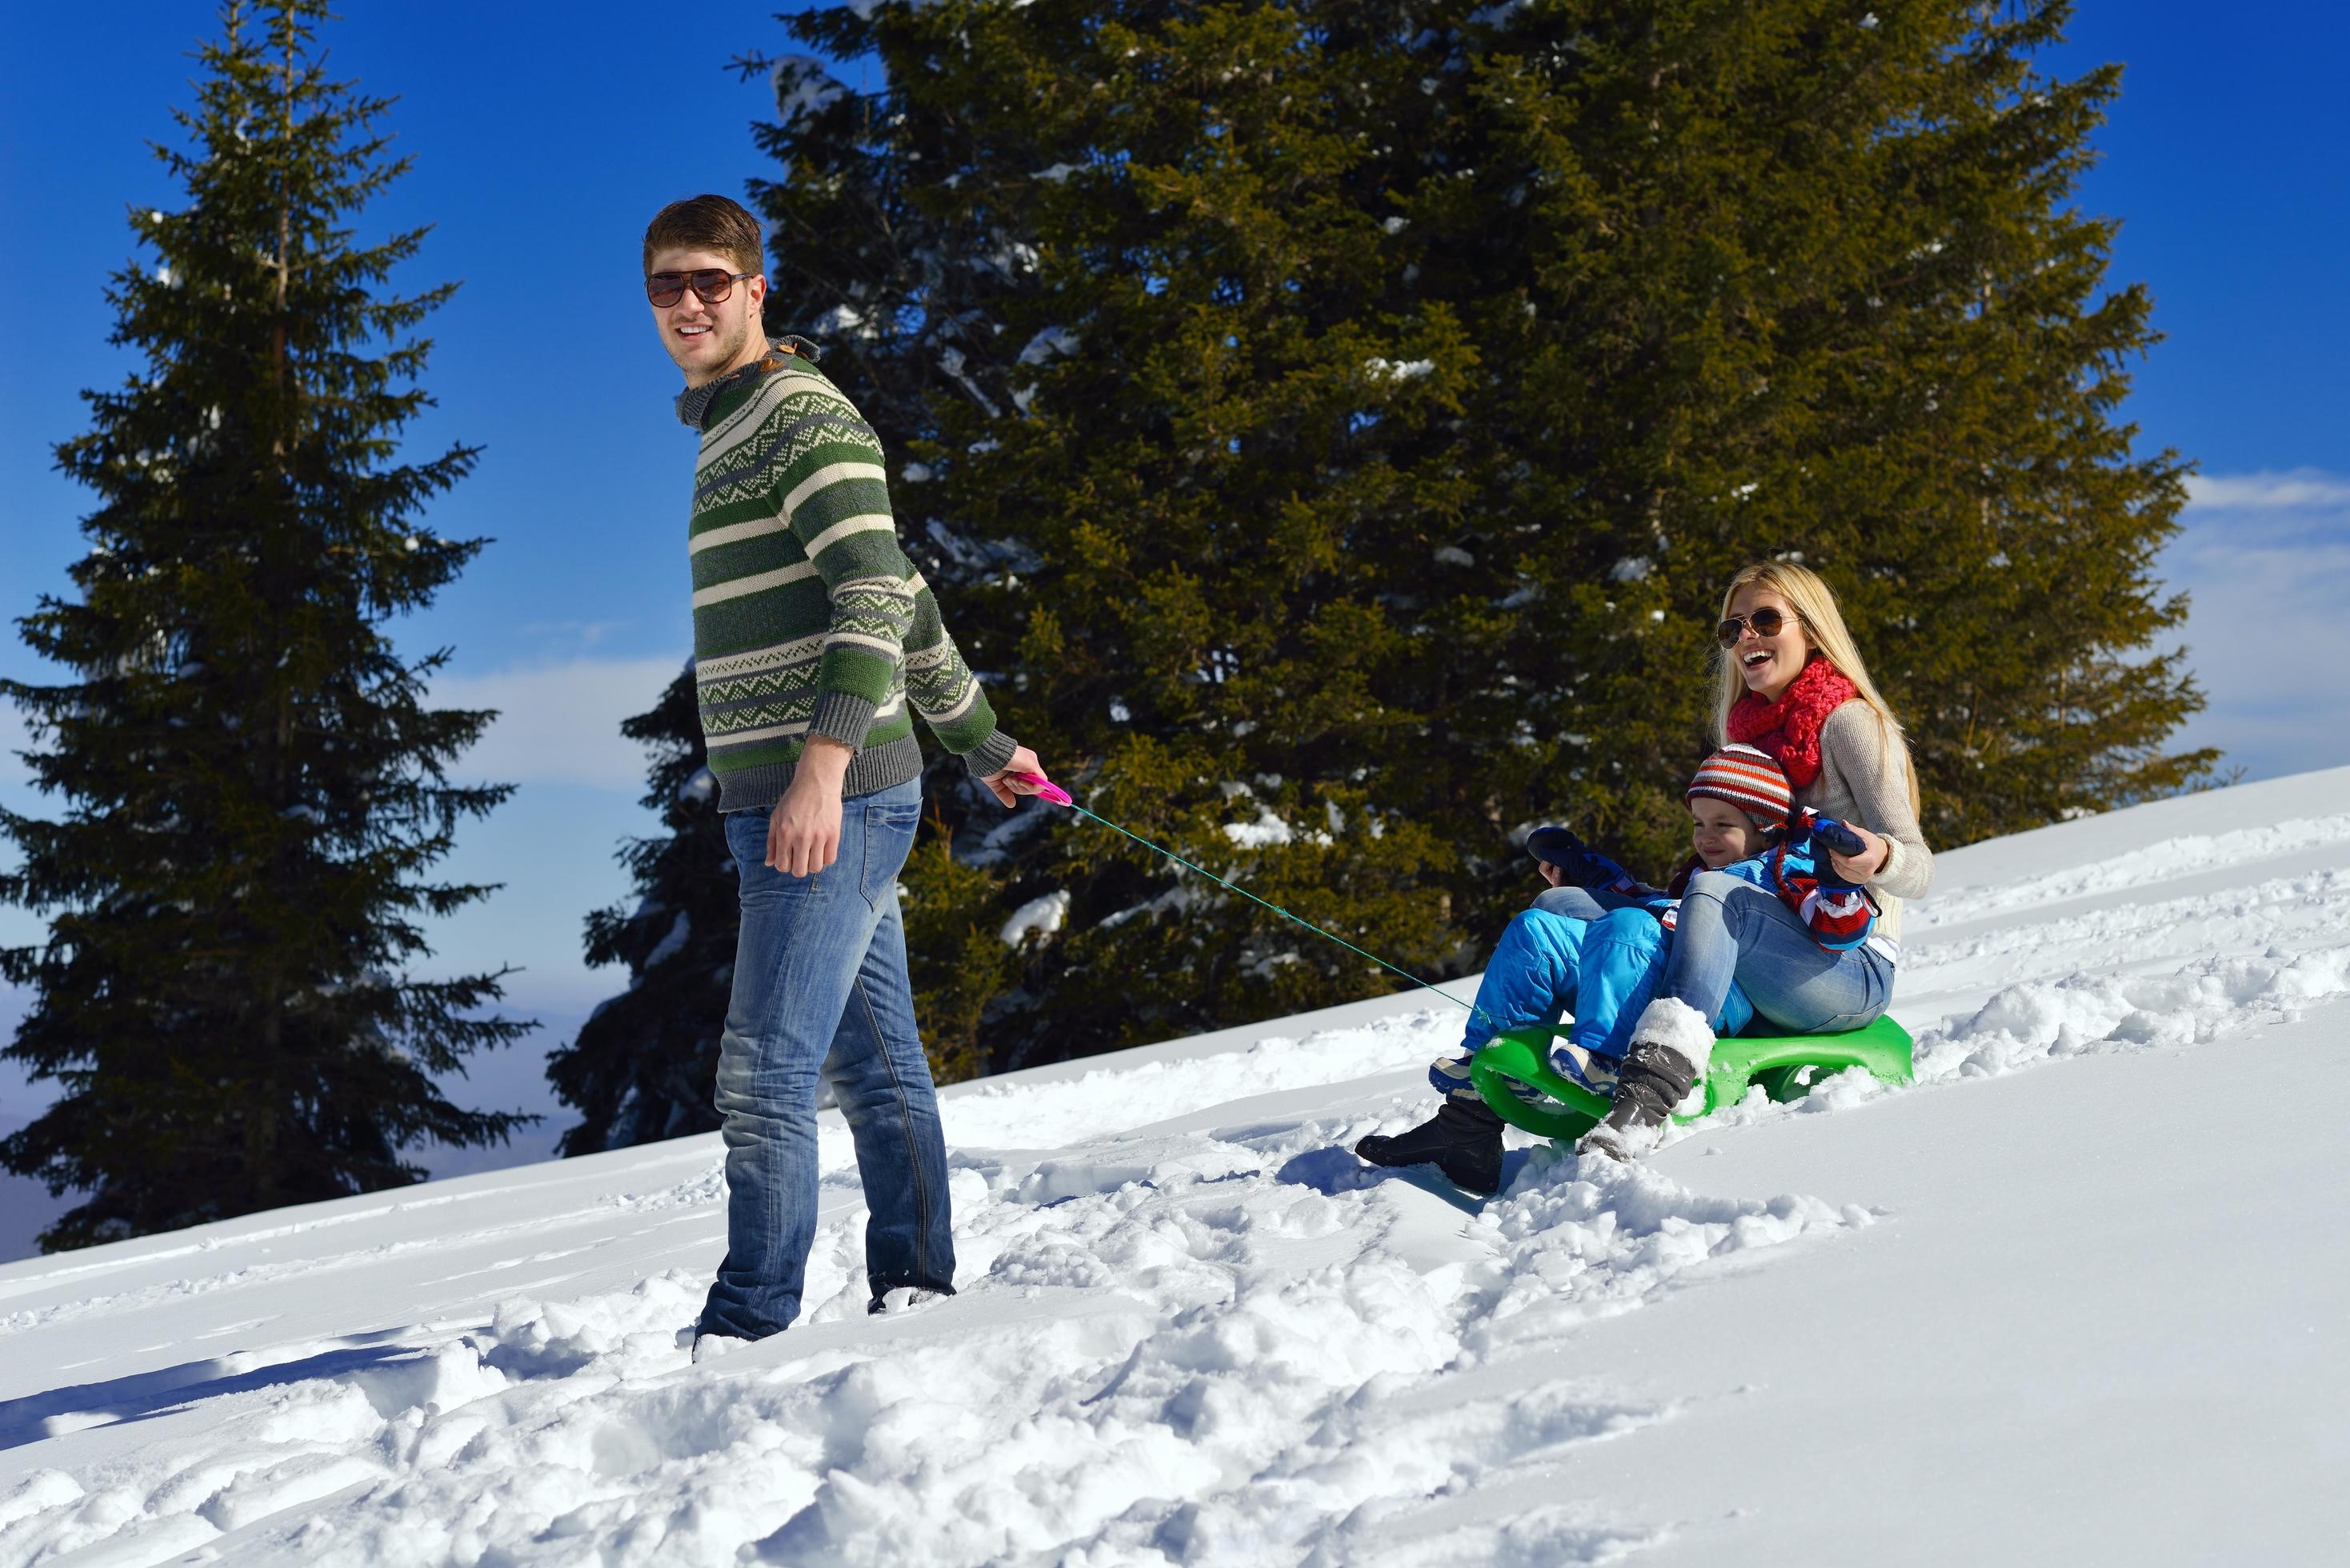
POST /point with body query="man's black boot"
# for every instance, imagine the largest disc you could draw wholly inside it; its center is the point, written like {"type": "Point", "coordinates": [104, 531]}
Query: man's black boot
{"type": "Point", "coordinates": [1463, 1141]}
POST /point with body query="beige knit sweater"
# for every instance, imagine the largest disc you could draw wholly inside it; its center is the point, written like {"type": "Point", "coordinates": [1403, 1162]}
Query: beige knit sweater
{"type": "Point", "coordinates": [1864, 783]}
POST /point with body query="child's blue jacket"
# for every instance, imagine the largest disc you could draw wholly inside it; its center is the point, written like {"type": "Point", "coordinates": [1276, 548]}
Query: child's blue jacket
{"type": "Point", "coordinates": [1839, 917]}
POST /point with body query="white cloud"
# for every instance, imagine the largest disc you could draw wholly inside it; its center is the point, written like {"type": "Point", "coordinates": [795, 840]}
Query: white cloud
{"type": "Point", "coordinates": [2267, 569]}
{"type": "Point", "coordinates": [582, 635]}
{"type": "Point", "coordinates": [560, 723]}
{"type": "Point", "coordinates": [2266, 491]}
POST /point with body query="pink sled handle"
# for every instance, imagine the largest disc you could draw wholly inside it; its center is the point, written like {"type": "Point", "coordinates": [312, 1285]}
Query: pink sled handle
{"type": "Point", "coordinates": [1045, 790]}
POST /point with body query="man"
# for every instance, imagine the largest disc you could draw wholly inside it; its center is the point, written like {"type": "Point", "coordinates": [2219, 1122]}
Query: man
{"type": "Point", "coordinates": [815, 643]}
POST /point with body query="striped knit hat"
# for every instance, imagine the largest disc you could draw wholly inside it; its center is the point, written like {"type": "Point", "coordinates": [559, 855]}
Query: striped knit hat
{"type": "Point", "coordinates": [1748, 779]}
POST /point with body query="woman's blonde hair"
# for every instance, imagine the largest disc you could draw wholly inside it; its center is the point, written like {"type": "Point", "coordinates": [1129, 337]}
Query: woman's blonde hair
{"type": "Point", "coordinates": [1814, 605]}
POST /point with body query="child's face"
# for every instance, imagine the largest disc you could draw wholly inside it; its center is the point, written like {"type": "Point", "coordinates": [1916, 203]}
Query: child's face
{"type": "Point", "coordinates": [1722, 833]}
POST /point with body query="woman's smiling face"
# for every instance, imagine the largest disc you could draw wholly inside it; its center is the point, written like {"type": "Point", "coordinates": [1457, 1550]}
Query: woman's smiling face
{"type": "Point", "coordinates": [1768, 665]}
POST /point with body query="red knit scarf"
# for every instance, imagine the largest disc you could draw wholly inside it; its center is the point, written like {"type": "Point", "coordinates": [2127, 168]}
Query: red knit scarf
{"type": "Point", "coordinates": [1788, 731]}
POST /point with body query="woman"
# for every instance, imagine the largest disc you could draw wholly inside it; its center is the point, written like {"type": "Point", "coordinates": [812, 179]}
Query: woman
{"type": "Point", "coordinates": [1793, 685]}
{"type": "Point", "coordinates": [1602, 958]}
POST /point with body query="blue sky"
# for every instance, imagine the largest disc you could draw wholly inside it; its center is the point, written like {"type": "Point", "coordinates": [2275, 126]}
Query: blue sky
{"type": "Point", "coordinates": [544, 136]}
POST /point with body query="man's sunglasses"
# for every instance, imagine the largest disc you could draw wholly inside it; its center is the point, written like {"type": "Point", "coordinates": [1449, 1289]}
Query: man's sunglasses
{"type": "Point", "coordinates": [711, 286]}
{"type": "Point", "coordinates": [1766, 622]}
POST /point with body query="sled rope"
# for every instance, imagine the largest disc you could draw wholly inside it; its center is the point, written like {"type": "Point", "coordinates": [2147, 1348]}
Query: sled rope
{"type": "Point", "coordinates": [1060, 797]}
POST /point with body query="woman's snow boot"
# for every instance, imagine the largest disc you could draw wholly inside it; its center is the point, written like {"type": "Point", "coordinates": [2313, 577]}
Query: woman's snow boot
{"type": "Point", "coordinates": [1464, 1140]}
{"type": "Point", "coordinates": [1671, 1047]}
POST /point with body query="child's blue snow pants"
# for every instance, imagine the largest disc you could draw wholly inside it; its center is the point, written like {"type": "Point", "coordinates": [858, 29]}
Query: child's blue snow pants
{"type": "Point", "coordinates": [1605, 970]}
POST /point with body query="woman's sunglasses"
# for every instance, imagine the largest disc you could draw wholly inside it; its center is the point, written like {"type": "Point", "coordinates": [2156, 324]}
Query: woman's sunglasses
{"type": "Point", "coordinates": [711, 286]}
{"type": "Point", "coordinates": [1766, 622]}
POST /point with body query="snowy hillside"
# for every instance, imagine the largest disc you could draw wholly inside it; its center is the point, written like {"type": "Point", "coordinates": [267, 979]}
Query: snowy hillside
{"type": "Point", "coordinates": [2078, 1295]}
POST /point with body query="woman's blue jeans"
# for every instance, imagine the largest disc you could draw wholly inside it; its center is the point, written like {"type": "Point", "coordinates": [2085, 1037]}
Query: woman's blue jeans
{"type": "Point", "coordinates": [1731, 931]}
{"type": "Point", "coordinates": [821, 986]}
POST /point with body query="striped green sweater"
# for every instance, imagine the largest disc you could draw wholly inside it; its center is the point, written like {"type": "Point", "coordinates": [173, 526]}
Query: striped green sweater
{"type": "Point", "coordinates": [807, 617]}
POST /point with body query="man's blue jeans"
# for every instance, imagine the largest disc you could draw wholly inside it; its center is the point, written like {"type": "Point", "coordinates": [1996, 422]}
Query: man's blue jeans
{"type": "Point", "coordinates": [821, 986]}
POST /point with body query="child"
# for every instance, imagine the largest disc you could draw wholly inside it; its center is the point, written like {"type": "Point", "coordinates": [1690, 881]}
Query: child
{"type": "Point", "coordinates": [1606, 968]}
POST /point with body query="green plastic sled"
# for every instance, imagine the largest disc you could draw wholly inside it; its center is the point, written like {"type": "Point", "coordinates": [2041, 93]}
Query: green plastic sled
{"type": "Point", "coordinates": [1778, 1063]}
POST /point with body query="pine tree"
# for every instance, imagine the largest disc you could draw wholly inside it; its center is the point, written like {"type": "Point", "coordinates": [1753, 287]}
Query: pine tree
{"type": "Point", "coordinates": [645, 1066]}
{"type": "Point", "coordinates": [1343, 416]}
{"type": "Point", "coordinates": [255, 785]}
{"type": "Point", "coordinates": [1803, 280]}
{"type": "Point", "coordinates": [961, 296]}
{"type": "Point", "coordinates": [1238, 469]}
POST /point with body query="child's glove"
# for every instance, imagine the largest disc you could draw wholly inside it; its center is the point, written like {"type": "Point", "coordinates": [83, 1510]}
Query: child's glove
{"type": "Point", "coordinates": [1581, 866]}
{"type": "Point", "coordinates": [1829, 838]}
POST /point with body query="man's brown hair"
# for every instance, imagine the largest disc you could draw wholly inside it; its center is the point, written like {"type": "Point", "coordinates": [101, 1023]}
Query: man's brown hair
{"type": "Point", "coordinates": [717, 223]}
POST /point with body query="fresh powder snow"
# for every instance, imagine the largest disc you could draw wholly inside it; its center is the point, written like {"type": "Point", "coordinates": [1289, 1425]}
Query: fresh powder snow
{"type": "Point", "coordinates": [2076, 1296]}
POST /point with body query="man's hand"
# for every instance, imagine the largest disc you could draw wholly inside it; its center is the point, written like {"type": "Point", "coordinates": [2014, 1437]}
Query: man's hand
{"type": "Point", "coordinates": [1008, 789]}
{"type": "Point", "coordinates": [804, 830]}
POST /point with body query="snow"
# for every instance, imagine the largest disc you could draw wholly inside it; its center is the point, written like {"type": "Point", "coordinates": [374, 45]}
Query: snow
{"type": "Point", "coordinates": [1681, 1028]}
{"type": "Point", "coordinates": [804, 87]}
{"type": "Point", "coordinates": [1179, 896]}
{"type": "Point", "coordinates": [673, 940]}
{"type": "Point", "coordinates": [996, 846]}
{"type": "Point", "coordinates": [1264, 833]}
{"type": "Point", "coordinates": [2075, 1295]}
{"type": "Point", "coordinates": [1043, 915]}
{"type": "Point", "coordinates": [844, 321]}
{"type": "Point", "coordinates": [1052, 341]}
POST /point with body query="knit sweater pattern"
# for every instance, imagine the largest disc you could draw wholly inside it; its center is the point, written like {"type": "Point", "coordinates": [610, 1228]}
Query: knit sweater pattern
{"type": "Point", "coordinates": [808, 619]}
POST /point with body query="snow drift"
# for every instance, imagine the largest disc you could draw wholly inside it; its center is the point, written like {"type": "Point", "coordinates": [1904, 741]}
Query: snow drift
{"type": "Point", "coordinates": [2070, 1296]}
